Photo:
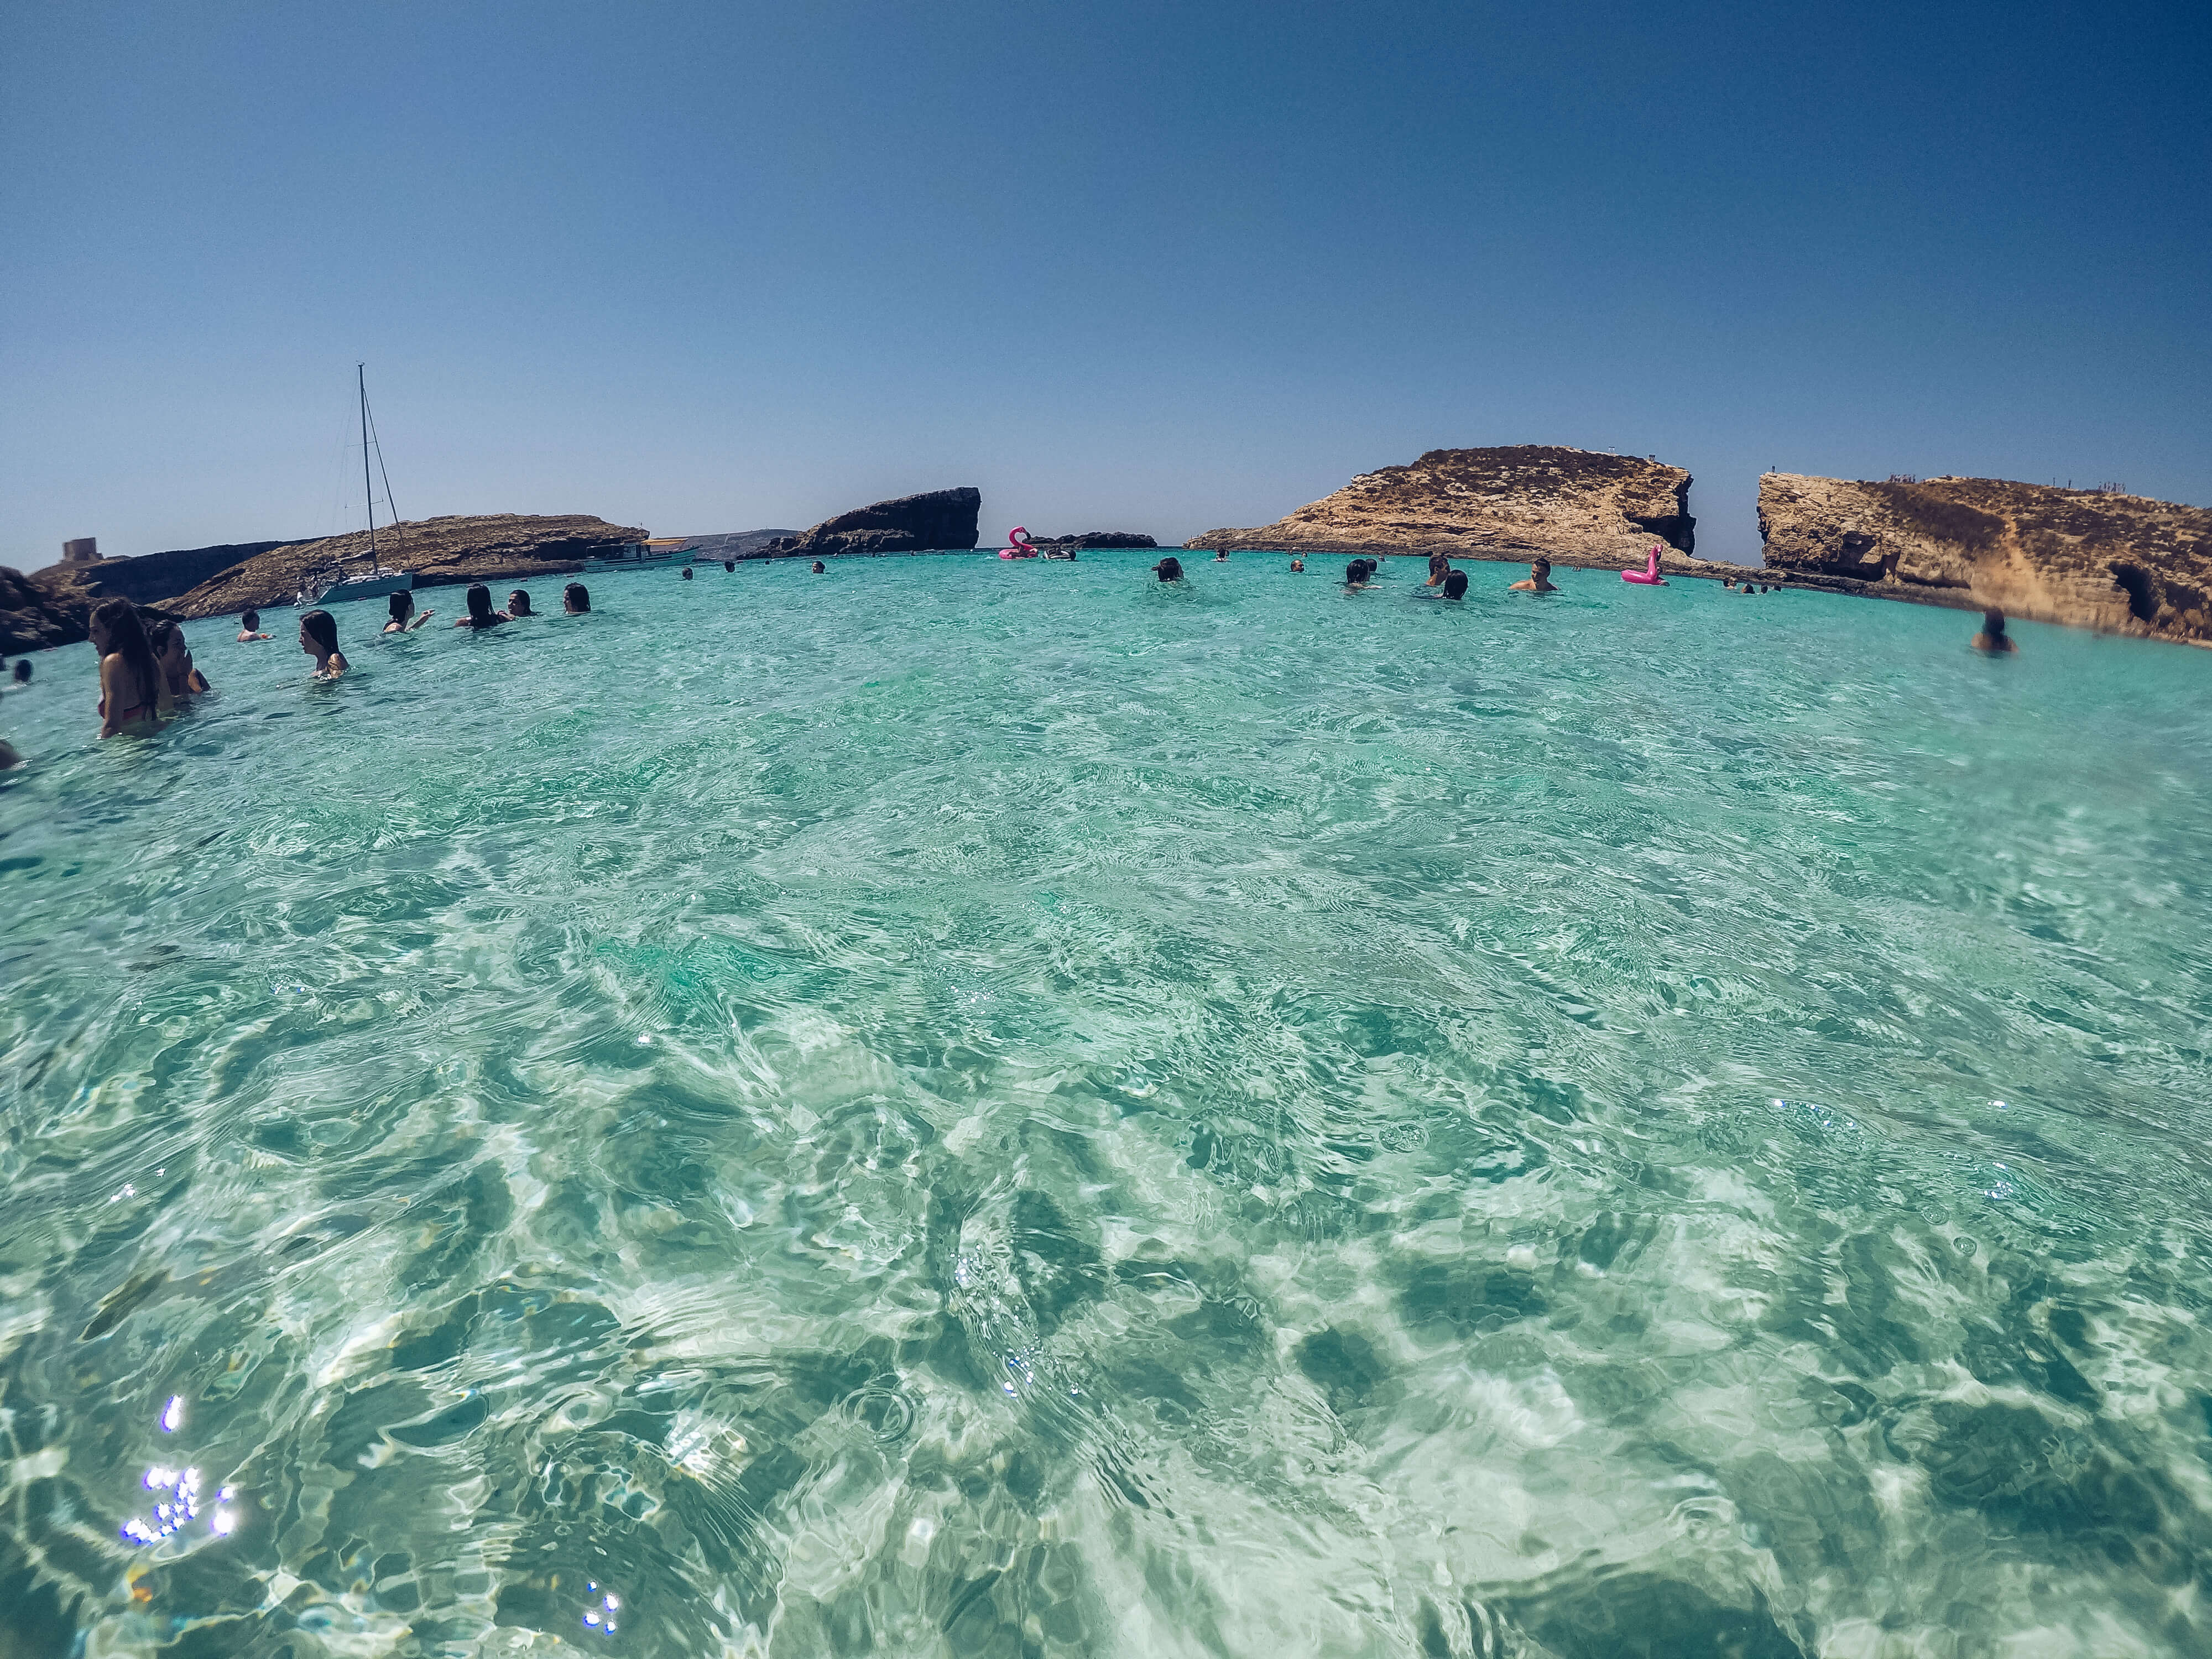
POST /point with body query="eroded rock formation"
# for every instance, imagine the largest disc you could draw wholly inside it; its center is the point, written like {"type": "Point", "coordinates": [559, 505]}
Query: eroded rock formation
{"type": "Point", "coordinates": [489, 547]}
{"type": "Point", "coordinates": [1095, 538]}
{"type": "Point", "coordinates": [2125, 563]}
{"type": "Point", "coordinates": [156, 578]}
{"type": "Point", "coordinates": [1573, 505]}
{"type": "Point", "coordinates": [937, 520]}
{"type": "Point", "coordinates": [50, 608]}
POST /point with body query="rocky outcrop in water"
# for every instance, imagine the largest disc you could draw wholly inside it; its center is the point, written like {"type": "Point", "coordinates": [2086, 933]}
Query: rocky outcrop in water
{"type": "Point", "coordinates": [936, 521]}
{"type": "Point", "coordinates": [489, 547]}
{"type": "Point", "coordinates": [2093, 558]}
{"type": "Point", "coordinates": [1095, 539]}
{"type": "Point", "coordinates": [1572, 506]}
{"type": "Point", "coordinates": [51, 608]}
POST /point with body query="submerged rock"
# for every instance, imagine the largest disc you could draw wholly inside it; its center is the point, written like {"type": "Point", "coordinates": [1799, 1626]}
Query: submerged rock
{"type": "Point", "coordinates": [937, 520]}
{"type": "Point", "coordinates": [2096, 558]}
{"type": "Point", "coordinates": [1573, 505]}
{"type": "Point", "coordinates": [487, 547]}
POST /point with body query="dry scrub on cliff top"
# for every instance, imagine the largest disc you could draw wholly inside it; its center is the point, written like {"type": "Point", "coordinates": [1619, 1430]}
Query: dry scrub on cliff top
{"type": "Point", "coordinates": [489, 547]}
{"type": "Point", "coordinates": [2089, 558]}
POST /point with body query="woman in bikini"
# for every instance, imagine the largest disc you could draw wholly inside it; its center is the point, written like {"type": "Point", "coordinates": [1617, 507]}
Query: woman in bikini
{"type": "Point", "coordinates": [405, 619]}
{"type": "Point", "coordinates": [133, 692]}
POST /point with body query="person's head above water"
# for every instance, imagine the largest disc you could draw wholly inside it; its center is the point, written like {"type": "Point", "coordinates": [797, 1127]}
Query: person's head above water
{"type": "Point", "coordinates": [1355, 572]}
{"type": "Point", "coordinates": [1993, 624]}
{"type": "Point", "coordinates": [575, 598]}
{"type": "Point", "coordinates": [250, 621]}
{"type": "Point", "coordinates": [22, 670]}
{"type": "Point", "coordinates": [480, 612]}
{"type": "Point", "coordinates": [401, 605]}
{"type": "Point", "coordinates": [319, 634]}
{"type": "Point", "coordinates": [1222, 557]}
{"type": "Point", "coordinates": [518, 604]}
{"type": "Point", "coordinates": [729, 564]}
{"type": "Point", "coordinates": [687, 573]}
{"type": "Point", "coordinates": [819, 567]}
{"type": "Point", "coordinates": [1168, 569]}
{"type": "Point", "coordinates": [116, 631]}
{"type": "Point", "coordinates": [1455, 585]}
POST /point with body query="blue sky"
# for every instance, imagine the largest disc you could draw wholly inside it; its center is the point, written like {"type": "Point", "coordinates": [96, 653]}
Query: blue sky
{"type": "Point", "coordinates": [1134, 266]}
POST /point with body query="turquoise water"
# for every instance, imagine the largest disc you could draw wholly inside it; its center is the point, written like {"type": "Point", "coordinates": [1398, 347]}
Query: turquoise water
{"type": "Point", "coordinates": [958, 1108]}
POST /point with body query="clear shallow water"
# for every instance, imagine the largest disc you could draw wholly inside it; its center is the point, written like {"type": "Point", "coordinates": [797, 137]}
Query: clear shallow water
{"type": "Point", "coordinates": [950, 1109]}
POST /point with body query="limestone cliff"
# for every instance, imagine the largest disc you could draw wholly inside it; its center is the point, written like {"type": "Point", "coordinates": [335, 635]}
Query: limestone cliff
{"type": "Point", "coordinates": [489, 547]}
{"type": "Point", "coordinates": [157, 578]}
{"type": "Point", "coordinates": [2125, 563]}
{"type": "Point", "coordinates": [51, 608]}
{"type": "Point", "coordinates": [1573, 505]}
{"type": "Point", "coordinates": [935, 521]}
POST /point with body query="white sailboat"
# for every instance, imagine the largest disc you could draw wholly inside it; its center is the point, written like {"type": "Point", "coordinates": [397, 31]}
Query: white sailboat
{"type": "Point", "coordinates": [343, 578]}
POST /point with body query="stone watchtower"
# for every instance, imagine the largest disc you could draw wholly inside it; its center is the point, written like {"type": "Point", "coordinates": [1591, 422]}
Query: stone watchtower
{"type": "Point", "coordinates": [85, 549]}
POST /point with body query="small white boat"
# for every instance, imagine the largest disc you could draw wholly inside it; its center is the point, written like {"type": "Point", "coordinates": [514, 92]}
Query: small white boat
{"type": "Point", "coordinates": [332, 585]}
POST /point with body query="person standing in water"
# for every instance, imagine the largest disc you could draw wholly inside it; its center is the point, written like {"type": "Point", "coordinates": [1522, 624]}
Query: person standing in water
{"type": "Point", "coordinates": [481, 614]}
{"type": "Point", "coordinates": [575, 598]}
{"type": "Point", "coordinates": [319, 638]}
{"type": "Point", "coordinates": [133, 691]}
{"type": "Point", "coordinates": [1168, 569]}
{"type": "Point", "coordinates": [174, 658]}
{"type": "Point", "coordinates": [1993, 639]}
{"type": "Point", "coordinates": [249, 628]}
{"type": "Point", "coordinates": [1222, 557]}
{"type": "Point", "coordinates": [518, 605]}
{"type": "Point", "coordinates": [1538, 580]}
{"type": "Point", "coordinates": [405, 619]}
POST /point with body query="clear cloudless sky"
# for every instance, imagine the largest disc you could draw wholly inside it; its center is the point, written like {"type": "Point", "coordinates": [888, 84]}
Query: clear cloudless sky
{"type": "Point", "coordinates": [1143, 266]}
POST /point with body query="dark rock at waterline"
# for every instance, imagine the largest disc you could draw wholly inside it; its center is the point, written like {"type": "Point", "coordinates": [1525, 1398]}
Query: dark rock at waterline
{"type": "Point", "coordinates": [2093, 558]}
{"type": "Point", "coordinates": [158, 578]}
{"type": "Point", "coordinates": [1095, 538]}
{"type": "Point", "coordinates": [51, 608]}
{"type": "Point", "coordinates": [736, 543]}
{"type": "Point", "coordinates": [937, 520]}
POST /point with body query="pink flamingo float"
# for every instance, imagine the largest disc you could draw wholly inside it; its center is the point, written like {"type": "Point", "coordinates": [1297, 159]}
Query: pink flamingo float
{"type": "Point", "coordinates": [1648, 576]}
{"type": "Point", "coordinates": [1022, 548]}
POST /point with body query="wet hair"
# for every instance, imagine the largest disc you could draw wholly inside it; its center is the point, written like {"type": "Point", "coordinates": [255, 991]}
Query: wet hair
{"type": "Point", "coordinates": [729, 564]}
{"type": "Point", "coordinates": [126, 638]}
{"type": "Point", "coordinates": [479, 599]}
{"type": "Point", "coordinates": [576, 597]}
{"type": "Point", "coordinates": [687, 573]}
{"type": "Point", "coordinates": [1993, 622]}
{"type": "Point", "coordinates": [1355, 572]}
{"type": "Point", "coordinates": [818, 568]}
{"type": "Point", "coordinates": [158, 636]}
{"type": "Point", "coordinates": [401, 605]}
{"type": "Point", "coordinates": [1540, 564]}
{"type": "Point", "coordinates": [250, 621]}
{"type": "Point", "coordinates": [519, 603]}
{"type": "Point", "coordinates": [1168, 570]}
{"type": "Point", "coordinates": [323, 629]}
{"type": "Point", "coordinates": [1455, 585]}
{"type": "Point", "coordinates": [22, 670]}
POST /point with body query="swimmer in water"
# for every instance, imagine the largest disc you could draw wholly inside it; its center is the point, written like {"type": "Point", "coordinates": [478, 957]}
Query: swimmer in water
{"type": "Point", "coordinates": [575, 598]}
{"type": "Point", "coordinates": [820, 569]}
{"type": "Point", "coordinates": [1298, 566]}
{"type": "Point", "coordinates": [1222, 557]}
{"type": "Point", "coordinates": [249, 627]}
{"type": "Point", "coordinates": [729, 565]}
{"type": "Point", "coordinates": [133, 690]}
{"type": "Point", "coordinates": [174, 658]}
{"type": "Point", "coordinates": [1168, 570]}
{"type": "Point", "coordinates": [23, 670]}
{"type": "Point", "coordinates": [518, 605]}
{"type": "Point", "coordinates": [8, 756]}
{"type": "Point", "coordinates": [1355, 576]}
{"type": "Point", "coordinates": [687, 573]}
{"type": "Point", "coordinates": [1439, 568]}
{"type": "Point", "coordinates": [1993, 639]}
{"type": "Point", "coordinates": [319, 638]}
{"type": "Point", "coordinates": [1538, 580]}
{"type": "Point", "coordinates": [404, 618]}
{"type": "Point", "coordinates": [481, 614]}
{"type": "Point", "coordinates": [1455, 585]}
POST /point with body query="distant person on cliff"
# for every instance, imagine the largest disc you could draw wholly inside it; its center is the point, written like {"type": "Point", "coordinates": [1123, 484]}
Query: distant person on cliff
{"type": "Point", "coordinates": [481, 614]}
{"type": "Point", "coordinates": [575, 598]}
{"type": "Point", "coordinates": [319, 638]}
{"type": "Point", "coordinates": [1538, 580]}
{"type": "Point", "coordinates": [405, 619]}
{"type": "Point", "coordinates": [518, 605]}
{"type": "Point", "coordinates": [1168, 569]}
{"type": "Point", "coordinates": [249, 628]}
{"type": "Point", "coordinates": [132, 690]}
{"type": "Point", "coordinates": [819, 567]}
{"type": "Point", "coordinates": [174, 657]}
{"type": "Point", "coordinates": [1993, 638]}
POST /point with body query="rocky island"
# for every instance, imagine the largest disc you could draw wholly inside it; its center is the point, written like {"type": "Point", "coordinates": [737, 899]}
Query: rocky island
{"type": "Point", "coordinates": [486, 548]}
{"type": "Point", "coordinates": [2093, 558]}
{"type": "Point", "coordinates": [935, 521]}
{"type": "Point", "coordinates": [1576, 506]}
{"type": "Point", "coordinates": [1089, 540]}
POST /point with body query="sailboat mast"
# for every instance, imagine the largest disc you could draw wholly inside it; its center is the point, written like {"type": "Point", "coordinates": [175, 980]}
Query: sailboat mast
{"type": "Point", "coordinates": [361, 379]}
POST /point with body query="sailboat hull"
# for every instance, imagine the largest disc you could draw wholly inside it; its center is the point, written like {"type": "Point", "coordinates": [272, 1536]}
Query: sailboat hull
{"type": "Point", "coordinates": [358, 587]}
